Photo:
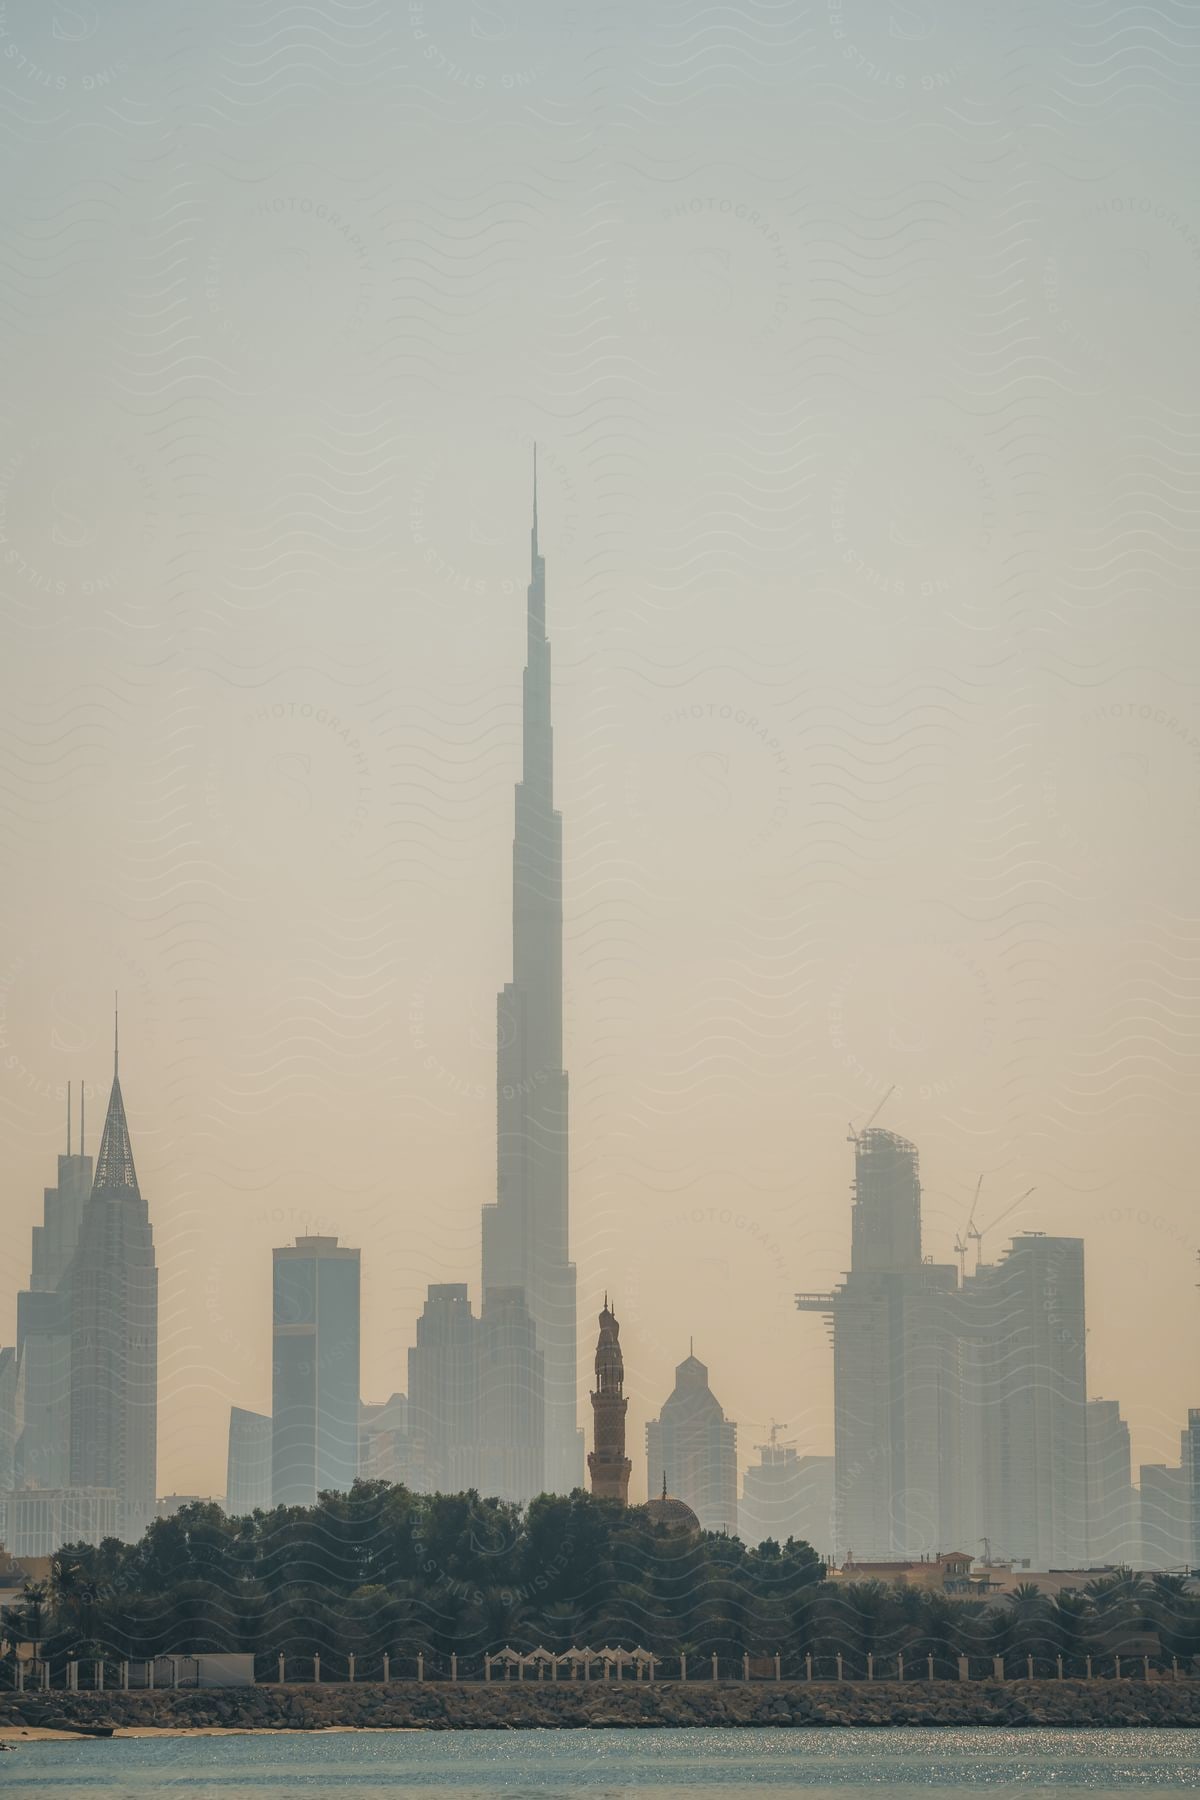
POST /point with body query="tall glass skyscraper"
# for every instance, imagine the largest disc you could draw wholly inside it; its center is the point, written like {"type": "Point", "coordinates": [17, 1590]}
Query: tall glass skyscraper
{"type": "Point", "coordinates": [1023, 1320]}
{"type": "Point", "coordinates": [248, 1469]}
{"type": "Point", "coordinates": [525, 1233]}
{"type": "Point", "coordinates": [443, 1392]}
{"type": "Point", "coordinates": [43, 1448]}
{"type": "Point", "coordinates": [113, 1300]}
{"type": "Point", "coordinates": [315, 1370]}
{"type": "Point", "coordinates": [692, 1448]}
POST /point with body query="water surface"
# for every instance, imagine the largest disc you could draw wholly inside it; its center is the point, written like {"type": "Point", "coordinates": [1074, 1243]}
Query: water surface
{"type": "Point", "coordinates": [955, 1762]}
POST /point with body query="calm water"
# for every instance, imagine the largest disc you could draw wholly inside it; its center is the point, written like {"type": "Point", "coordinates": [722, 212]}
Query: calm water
{"type": "Point", "coordinates": [609, 1763]}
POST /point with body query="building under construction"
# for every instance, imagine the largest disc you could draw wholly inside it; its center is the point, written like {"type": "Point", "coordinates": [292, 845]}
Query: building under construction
{"type": "Point", "coordinates": [959, 1401]}
{"type": "Point", "coordinates": [896, 1367]}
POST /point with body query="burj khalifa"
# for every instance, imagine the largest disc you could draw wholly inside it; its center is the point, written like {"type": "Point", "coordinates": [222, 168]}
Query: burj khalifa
{"type": "Point", "coordinates": [525, 1232]}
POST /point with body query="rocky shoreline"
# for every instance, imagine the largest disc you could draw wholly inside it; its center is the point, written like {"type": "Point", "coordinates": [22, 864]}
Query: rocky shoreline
{"type": "Point", "coordinates": [516, 1706]}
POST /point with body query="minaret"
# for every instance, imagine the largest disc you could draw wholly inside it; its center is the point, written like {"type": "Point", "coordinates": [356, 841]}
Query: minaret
{"type": "Point", "coordinates": [114, 1331]}
{"type": "Point", "coordinates": [608, 1465]}
{"type": "Point", "coordinates": [525, 1232]}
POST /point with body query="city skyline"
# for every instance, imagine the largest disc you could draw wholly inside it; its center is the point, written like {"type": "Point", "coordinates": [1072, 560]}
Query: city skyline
{"type": "Point", "coordinates": [536, 895]}
{"type": "Point", "coordinates": [960, 1400]}
{"type": "Point", "coordinates": [896, 1244]}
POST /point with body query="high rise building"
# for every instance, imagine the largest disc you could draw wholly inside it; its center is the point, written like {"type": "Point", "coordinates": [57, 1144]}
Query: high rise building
{"type": "Point", "coordinates": [248, 1469]}
{"type": "Point", "coordinates": [43, 1450]}
{"type": "Point", "coordinates": [785, 1495]}
{"type": "Point", "coordinates": [1164, 1517]}
{"type": "Point", "coordinates": [525, 1231]}
{"type": "Point", "coordinates": [385, 1442]}
{"type": "Point", "coordinates": [113, 1302]}
{"type": "Point", "coordinates": [512, 1399]}
{"type": "Point", "coordinates": [1191, 1465]}
{"type": "Point", "coordinates": [608, 1465]}
{"type": "Point", "coordinates": [692, 1447]}
{"type": "Point", "coordinates": [1024, 1317]}
{"type": "Point", "coordinates": [1112, 1518]}
{"type": "Point", "coordinates": [10, 1417]}
{"type": "Point", "coordinates": [315, 1370]}
{"type": "Point", "coordinates": [897, 1368]}
{"type": "Point", "coordinates": [443, 1392]}
{"type": "Point", "coordinates": [960, 1408]}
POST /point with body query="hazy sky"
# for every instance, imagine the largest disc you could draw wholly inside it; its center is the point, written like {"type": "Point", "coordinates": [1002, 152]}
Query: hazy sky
{"type": "Point", "coordinates": [860, 342]}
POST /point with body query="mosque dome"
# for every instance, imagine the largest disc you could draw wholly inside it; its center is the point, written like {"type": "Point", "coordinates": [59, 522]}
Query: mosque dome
{"type": "Point", "coordinates": [667, 1510]}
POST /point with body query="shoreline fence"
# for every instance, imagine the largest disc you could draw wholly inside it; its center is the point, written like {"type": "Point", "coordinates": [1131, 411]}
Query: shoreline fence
{"type": "Point", "coordinates": [77, 1674]}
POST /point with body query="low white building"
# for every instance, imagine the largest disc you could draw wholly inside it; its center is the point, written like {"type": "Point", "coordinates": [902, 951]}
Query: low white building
{"type": "Point", "coordinates": [42, 1520]}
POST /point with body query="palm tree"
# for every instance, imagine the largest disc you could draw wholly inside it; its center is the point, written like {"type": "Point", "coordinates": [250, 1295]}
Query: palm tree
{"type": "Point", "coordinates": [1071, 1620]}
{"type": "Point", "coordinates": [1027, 1622]}
{"type": "Point", "coordinates": [72, 1587]}
{"type": "Point", "coordinates": [864, 1608]}
{"type": "Point", "coordinates": [1120, 1608]}
{"type": "Point", "coordinates": [502, 1619]}
{"type": "Point", "coordinates": [561, 1626]}
{"type": "Point", "coordinates": [1175, 1615]}
{"type": "Point", "coordinates": [26, 1622]}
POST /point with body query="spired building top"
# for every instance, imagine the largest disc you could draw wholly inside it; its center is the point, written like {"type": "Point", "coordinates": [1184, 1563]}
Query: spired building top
{"type": "Point", "coordinates": [608, 1465]}
{"type": "Point", "coordinates": [113, 1300]}
{"type": "Point", "coordinates": [525, 1232]}
{"type": "Point", "coordinates": [115, 1173]}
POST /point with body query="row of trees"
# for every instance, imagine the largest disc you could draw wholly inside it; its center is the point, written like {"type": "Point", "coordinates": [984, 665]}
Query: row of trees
{"type": "Point", "coordinates": [383, 1569]}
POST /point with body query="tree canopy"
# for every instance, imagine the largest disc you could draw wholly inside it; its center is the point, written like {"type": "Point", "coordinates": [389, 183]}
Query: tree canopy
{"type": "Point", "coordinates": [381, 1569]}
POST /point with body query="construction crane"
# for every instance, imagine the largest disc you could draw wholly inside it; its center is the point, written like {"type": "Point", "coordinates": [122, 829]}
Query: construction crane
{"type": "Point", "coordinates": [853, 1136]}
{"type": "Point", "coordinates": [960, 1243]}
{"type": "Point", "coordinates": [974, 1232]}
{"type": "Point", "coordinates": [777, 1425]}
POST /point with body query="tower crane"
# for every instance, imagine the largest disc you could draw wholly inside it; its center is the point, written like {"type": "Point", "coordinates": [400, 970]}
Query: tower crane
{"type": "Point", "coordinates": [960, 1243]}
{"type": "Point", "coordinates": [974, 1232]}
{"type": "Point", "coordinates": [853, 1136]}
{"type": "Point", "coordinates": [777, 1425]}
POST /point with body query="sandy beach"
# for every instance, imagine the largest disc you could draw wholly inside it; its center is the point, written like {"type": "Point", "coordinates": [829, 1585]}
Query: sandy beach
{"type": "Point", "coordinates": [41, 1734]}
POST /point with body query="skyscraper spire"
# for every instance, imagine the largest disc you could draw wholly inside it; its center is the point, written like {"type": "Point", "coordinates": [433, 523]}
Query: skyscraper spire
{"type": "Point", "coordinates": [534, 538]}
{"type": "Point", "coordinates": [68, 1118]}
{"type": "Point", "coordinates": [115, 1172]}
{"type": "Point", "coordinates": [113, 1304]}
{"type": "Point", "coordinates": [525, 1234]}
{"type": "Point", "coordinates": [116, 1034]}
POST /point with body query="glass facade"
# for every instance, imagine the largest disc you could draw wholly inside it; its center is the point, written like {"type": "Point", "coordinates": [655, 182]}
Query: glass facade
{"type": "Point", "coordinates": [315, 1370]}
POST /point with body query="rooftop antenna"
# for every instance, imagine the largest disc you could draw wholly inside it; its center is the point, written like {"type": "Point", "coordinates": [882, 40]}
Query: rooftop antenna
{"type": "Point", "coordinates": [852, 1135]}
{"type": "Point", "coordinates": [68, 1118]}
{"type": "Point", "coordinates": [82, 1104]}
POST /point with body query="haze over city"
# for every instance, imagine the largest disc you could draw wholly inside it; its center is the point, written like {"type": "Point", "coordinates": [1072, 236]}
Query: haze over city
{"type": "Point", "coordinates": [869, 586]}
